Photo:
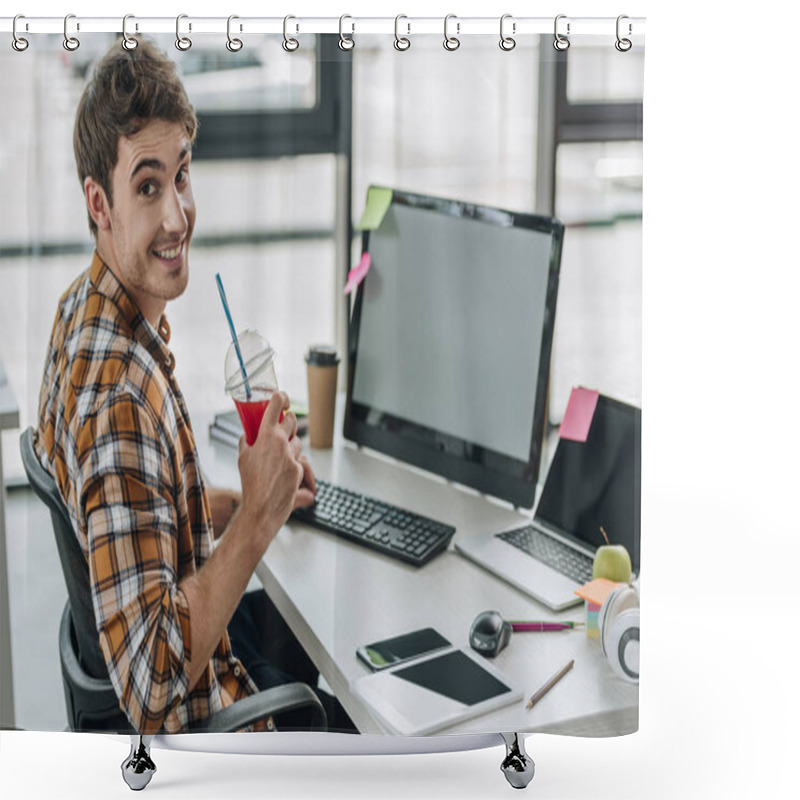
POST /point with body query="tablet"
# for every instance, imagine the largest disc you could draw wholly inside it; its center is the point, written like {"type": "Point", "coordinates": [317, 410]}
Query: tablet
{"type": "Point", "coordinates": [435, 692]}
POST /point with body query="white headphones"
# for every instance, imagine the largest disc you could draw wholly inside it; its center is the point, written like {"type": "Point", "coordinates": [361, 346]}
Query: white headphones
{"type": "Point", "coordinates": [619, 632]}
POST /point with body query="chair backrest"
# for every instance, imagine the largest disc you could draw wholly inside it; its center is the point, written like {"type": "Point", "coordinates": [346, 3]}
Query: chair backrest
{"type": "Point", "coordinates": [73, 562]}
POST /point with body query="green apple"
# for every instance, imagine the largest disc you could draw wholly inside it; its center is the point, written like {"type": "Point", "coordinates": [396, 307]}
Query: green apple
{"type": "Point", "coordinates": [613, 562]}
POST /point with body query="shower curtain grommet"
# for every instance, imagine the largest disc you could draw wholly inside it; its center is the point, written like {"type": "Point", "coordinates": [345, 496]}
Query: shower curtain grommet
{"type": "Point", "coordinates": [18, 42]}
{"type": "Point", "coordinates": [128, 42]}
{"type": "Point", "coordinates": [182, 43]}
{"type": "Point", "coordinates": [70, 43]}
{"type": "Point", "coordinates": [451, 43]}
{"type": "Point", "coordinates": [289, 44]}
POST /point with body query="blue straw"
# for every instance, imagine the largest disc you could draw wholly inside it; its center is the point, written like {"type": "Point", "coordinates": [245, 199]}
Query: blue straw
{"type": "Point", "coordinates": [233, 334]}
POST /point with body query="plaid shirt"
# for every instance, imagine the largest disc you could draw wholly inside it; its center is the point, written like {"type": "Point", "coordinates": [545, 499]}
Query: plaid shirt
{"type": "Point", "coordinates": [115, 433]}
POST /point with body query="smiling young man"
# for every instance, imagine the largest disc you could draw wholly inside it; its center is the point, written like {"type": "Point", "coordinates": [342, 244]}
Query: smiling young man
{"type": "Point", "coordinates": [115, 433]}
{"type": "Point", "coordinates": [144, 236]}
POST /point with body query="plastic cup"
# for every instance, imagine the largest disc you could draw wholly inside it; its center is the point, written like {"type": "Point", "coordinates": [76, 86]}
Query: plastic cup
{"type": "Point", "coordinates": [259, 364]}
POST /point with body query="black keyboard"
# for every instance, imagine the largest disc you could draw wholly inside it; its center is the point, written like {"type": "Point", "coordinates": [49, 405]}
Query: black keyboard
{"type": "Point", "coordinates": [377, 525]}
{"type": "Point", "coordinates": [555, 554]}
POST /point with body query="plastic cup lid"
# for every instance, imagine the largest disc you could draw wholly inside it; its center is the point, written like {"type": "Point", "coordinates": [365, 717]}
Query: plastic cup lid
{"type": "Point", "coordinates": [257, 355]}
{"type": "Point", "coordinates": [322, 355]}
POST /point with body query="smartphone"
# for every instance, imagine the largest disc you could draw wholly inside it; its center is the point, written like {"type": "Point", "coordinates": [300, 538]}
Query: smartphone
{"type": "Point", "coordinates": [390, 652]}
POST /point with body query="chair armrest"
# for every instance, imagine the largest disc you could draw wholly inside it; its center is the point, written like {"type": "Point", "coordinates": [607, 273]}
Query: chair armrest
{"type": "Point", "coordinates": [288, 697]}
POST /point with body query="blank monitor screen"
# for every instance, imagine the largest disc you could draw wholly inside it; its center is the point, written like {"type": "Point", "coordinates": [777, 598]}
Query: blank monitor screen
{"type": "Point", "coordinates": [450, 341]}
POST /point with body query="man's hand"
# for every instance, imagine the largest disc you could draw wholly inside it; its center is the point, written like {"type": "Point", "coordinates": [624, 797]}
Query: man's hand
{"type": "Point", "coordinates": [308, 488]}
{"type": "Point", "coordinates": [272, 471]}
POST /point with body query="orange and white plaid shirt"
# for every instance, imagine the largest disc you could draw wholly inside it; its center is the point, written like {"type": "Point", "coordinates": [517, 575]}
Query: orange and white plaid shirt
{"type": "Point", "coordinates": [115, 433]}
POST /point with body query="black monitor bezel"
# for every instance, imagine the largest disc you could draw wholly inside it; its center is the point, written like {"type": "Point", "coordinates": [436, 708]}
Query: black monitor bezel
{"type": "Point", "coordinates": [463, 462]}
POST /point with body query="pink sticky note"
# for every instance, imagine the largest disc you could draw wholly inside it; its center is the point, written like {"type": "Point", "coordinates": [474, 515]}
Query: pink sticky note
{"type": "Point", "coordinates": [578, 416]}
{"type": "Point", "coordinates": [356, 275]}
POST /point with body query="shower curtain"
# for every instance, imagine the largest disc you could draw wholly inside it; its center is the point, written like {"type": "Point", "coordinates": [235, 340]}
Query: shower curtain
{"type": "Point", "coordinates": [289, 141]}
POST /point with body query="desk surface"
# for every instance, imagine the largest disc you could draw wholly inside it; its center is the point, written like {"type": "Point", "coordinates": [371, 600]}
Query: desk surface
{"type": "Point", "coordinates": [337, 596]}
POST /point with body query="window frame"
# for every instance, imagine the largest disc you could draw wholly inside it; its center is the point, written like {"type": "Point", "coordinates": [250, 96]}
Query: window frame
{"type": "Point", "coordinates": [562, 121]}
{"type": "Point", "coordinates": [323, 129]}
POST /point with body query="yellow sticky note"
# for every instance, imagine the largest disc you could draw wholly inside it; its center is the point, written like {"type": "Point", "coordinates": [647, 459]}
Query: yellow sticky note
{"type": "Point", "coordinates": [378, 202]}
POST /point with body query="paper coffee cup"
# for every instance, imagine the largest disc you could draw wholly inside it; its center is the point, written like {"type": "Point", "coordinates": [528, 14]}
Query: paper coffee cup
{"type": "Point", "coordinates": [322, 366]}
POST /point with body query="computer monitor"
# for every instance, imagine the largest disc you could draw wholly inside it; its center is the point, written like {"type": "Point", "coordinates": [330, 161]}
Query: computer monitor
{"type": "Point", "coordinates": [449, 342]}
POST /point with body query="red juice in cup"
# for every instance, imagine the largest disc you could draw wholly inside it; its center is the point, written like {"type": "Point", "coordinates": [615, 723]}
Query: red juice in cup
{"type": "Point", "coordinates": [251, 411]}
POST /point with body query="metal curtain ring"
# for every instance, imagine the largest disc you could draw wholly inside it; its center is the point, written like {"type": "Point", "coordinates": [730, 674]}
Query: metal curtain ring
{"type": "Point", "coordinates": [234, 45]}
{"type": "Point", "coordinates": [289, 45]}
{"type": "Point", "coordinates": [183, 43]}
{"type": "Point", "coordinates": [507, 42]}
{"type": "Point", "coordinates": [451, 42]}
{"type": "Point", "coordinates": [560, 42]}
{"type": "Point", "coordinates": [623, 45]}
{"type": "Point", "coordinates": [401, 42]}
{"type": "Point", "coordinates": [18, 43]}
{"type": "Point", "coordinates": [346, 42]}
{"type": "Point", "coordinates": [70, 42]}
{"type": "Point", "coordinates": [128, 42]}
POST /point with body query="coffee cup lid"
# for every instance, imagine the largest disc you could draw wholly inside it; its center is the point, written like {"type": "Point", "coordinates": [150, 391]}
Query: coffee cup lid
{"type": "Point", "coordinates": [322, 355]}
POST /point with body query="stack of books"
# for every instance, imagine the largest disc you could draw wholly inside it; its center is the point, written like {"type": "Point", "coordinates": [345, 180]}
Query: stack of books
{"type": "Point", "coordinates": [227, 427]}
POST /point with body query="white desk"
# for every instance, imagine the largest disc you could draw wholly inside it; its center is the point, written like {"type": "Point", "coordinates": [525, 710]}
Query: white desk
{"type": "Point", "coordinates": [336, 595]}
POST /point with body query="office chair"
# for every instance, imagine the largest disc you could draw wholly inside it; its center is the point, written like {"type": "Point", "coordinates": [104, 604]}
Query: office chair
{"type": "Point", "coordinates": [92, 703]}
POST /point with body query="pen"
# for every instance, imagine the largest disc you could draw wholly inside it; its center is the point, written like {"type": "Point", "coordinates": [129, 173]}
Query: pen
{"type": "Point", "coordinates": [549, 685]}
{"type": "Point", "coordinates": [541, 626]}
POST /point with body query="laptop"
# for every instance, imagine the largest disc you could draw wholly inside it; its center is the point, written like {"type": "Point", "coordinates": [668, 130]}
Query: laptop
{"type": "Point", "coordinates": [589, 484]}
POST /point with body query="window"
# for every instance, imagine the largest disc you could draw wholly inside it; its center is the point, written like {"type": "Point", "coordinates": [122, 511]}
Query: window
{"type": "Point", "coordinates": [590, 177]}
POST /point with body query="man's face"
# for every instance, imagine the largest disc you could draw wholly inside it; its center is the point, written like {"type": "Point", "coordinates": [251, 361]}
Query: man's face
{"type": "Point", "coordinates": [152, 217]}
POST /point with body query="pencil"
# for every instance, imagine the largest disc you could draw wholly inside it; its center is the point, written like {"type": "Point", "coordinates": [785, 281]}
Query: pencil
{"type": "Point", "coordinates": [550, 684]}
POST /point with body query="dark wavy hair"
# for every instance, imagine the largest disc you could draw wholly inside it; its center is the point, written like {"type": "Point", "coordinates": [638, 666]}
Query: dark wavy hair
{"type": "Point", "coordinates": [128, 89]}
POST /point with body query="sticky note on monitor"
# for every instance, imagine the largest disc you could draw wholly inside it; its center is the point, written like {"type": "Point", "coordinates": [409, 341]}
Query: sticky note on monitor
{"type": "Point", "coordinates": [378, 202]}
{"type": "Point", "coordinates": [578, 416]}
{"type": "Point", "coordinates": [358, 273]}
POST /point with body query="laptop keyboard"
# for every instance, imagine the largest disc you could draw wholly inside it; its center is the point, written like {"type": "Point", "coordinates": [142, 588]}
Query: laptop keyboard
{"type": "Point", "coordinates": [555, 554]}
{"type": "Point", "coordinates": [386, 528]}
